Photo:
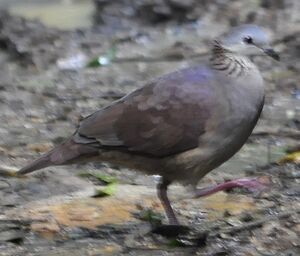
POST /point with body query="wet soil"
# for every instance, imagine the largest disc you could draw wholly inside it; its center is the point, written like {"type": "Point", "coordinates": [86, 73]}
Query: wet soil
{"type": "Point", "coordinates": [46, 87]}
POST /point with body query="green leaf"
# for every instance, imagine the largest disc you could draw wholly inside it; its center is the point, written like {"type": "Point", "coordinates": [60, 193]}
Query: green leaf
{"type": "Point", "coordinates": [176, 243]}
{"type": "Point", "coordinates": [106, 178]}
{"type": "Point", "coordinates": [93, 63]}
{"type": "Point", "coordinates": [104, 59]}
{"type": "Point", "coordinates": [151, 216]}
{"type": "Point", "coordinates": [106, 191]}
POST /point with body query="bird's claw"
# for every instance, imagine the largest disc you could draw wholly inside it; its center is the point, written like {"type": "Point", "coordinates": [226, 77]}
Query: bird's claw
{"type": "Point", "coordinates": [257, 184]}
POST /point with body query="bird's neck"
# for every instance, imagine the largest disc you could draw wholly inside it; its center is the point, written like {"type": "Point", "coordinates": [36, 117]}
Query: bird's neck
{"type": "Point", "coordinates": [230, 63]}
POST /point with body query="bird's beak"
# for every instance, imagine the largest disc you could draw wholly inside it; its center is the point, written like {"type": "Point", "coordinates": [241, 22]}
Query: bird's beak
{"type": "Point", "coordinates": [272, 53]}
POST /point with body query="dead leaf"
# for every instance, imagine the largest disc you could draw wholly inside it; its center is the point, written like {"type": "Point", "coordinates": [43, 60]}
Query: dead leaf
{"type": "Point", "coordinates": [291, 158]}
{"type": "Point", "coordinates": [40, 147]}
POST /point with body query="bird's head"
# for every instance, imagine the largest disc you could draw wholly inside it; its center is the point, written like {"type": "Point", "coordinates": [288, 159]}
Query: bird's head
{"type": "Point", "coordinates": [248, 40]}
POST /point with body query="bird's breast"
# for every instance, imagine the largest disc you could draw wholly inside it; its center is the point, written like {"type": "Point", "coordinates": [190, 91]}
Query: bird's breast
{"type": "Point", "coordinates": [234, 114]}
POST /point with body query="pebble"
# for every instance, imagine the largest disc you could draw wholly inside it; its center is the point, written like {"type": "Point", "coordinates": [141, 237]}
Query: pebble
{"type": "Point", "coordinates": [14, 236]}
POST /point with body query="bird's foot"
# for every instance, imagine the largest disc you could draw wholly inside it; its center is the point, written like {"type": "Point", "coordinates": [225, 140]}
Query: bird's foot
{"type": "Point", "coordinates": [256, 184]}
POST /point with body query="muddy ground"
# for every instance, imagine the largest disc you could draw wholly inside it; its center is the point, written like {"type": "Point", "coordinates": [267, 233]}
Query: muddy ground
{"type": "Point", "coordinates": [50, 78]}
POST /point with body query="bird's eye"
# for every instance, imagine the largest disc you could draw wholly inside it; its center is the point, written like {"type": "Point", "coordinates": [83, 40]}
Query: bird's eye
{"type": "Point", "coordinates": [248, 40]}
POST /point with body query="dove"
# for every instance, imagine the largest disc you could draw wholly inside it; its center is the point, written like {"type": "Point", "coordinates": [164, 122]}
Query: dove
{"type": "Point", "coordinates": [181, 125]}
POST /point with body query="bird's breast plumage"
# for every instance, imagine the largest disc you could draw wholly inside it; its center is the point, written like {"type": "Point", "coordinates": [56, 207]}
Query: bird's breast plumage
{"type": "Point", "coordinates": [237, 104]}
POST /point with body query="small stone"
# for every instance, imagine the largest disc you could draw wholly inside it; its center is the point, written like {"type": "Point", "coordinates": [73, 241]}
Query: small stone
{"type": "Point", "coordinates": [234, 222]}
{"type": "Point", "coordinates": [227, 213]}
{"type": "Point", "coordinates": [4, 184]}
{"type": "Point", "coordinates": [47, 230]}
{"type": "Point", "coordinates": [14, 236]}
{"type": "Point", "coordinates": [40, 147]}
{"type": "Point", "coordinates": [246, 217]}
{"type": "Point", "coordinates": [111, 249]}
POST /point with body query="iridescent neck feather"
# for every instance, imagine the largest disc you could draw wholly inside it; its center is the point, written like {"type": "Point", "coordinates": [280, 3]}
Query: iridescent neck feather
{"type": "Point", "coordinates": [229, 62]}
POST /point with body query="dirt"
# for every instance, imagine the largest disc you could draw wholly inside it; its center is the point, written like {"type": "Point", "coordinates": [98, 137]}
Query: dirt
{"type": "Point", "coordinates": [46, 87]}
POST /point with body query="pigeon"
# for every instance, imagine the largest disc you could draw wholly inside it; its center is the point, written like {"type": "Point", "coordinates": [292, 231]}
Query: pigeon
{"type": "Point", "coordinates": [181, 125]}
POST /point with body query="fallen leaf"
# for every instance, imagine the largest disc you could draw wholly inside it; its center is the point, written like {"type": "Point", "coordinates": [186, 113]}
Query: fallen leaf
{"type": "Point", "coordinates": [291, 158]}
{"type": "Point", "coordinates": [8, 171]}
{"type": "Point", "coordinates": [105, 59]}
{"type": "Point", "coordinates": [109, 190]}
{"type": "Point", "coordinates": [151, 216]}
{"type": "Point", "coordinates": [40, 147]}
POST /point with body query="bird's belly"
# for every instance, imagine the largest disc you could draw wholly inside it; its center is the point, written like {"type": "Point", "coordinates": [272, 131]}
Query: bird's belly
{"type": "Point", "coordinates": [235, 124]}
{"type": "Point", "coordinates": [215, 147]}
{"type": "Point", "coordinates": [225, 142]}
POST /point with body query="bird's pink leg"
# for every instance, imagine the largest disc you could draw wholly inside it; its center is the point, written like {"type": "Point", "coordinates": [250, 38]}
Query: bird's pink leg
{"type": "Point", "coordinates": [253, 184]}
{"type": "Point", "coordinates": [163, 196]}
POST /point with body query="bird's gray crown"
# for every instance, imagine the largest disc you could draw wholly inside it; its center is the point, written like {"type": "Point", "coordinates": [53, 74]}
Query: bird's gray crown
{"type": "Point", "coordinates": [246, 34]}
{"type": "Point", "coordinates": [230, 53]}
{"type": "Point", "coordinates": [248, 40]}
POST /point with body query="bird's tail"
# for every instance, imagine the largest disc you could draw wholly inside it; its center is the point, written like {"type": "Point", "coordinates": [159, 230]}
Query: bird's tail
{"type": "Point", "coordinates": [66, 153]}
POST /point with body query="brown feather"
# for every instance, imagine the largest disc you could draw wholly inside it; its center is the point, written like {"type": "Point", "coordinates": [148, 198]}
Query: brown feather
{"type": "Point", "coordinates": [66, 153]}
{"type": "Point", "coordinates": [163, 118]}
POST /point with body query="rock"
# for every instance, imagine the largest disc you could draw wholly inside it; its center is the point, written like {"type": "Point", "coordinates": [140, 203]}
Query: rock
{"type": "Point", "coordinates": [40, 147]}
{"type": "Point", "coordinates": [18, 35]}
{"type": "Point", "coordinates": [46, 230]}
{"type": "Point", "coordinates": [14, 236]}
{"type": "Point", "coordinates": [4, 185]}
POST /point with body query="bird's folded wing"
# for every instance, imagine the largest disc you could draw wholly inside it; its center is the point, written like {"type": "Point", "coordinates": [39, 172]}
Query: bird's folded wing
{"type": "Point", "coordinates": [167, 116]}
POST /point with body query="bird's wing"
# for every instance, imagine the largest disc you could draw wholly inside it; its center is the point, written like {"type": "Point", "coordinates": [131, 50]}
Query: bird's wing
{"type": "Point", "coordinates": [166, 116]}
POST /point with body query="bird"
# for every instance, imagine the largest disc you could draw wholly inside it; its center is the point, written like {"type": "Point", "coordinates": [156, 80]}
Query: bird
{"type": "Point", "coordinates": [181, 125]}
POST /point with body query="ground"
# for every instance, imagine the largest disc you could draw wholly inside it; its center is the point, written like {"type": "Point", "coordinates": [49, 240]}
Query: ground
{"type": "Point", "coordinates": [51, 77]}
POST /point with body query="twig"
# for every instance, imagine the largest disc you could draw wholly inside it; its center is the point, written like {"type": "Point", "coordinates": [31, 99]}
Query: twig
{"type": "Point", "coordinates": [255, 224]}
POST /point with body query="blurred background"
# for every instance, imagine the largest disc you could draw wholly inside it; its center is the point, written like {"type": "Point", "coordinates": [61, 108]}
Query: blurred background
{"type": "Point", "coordinates": [63, 59]}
